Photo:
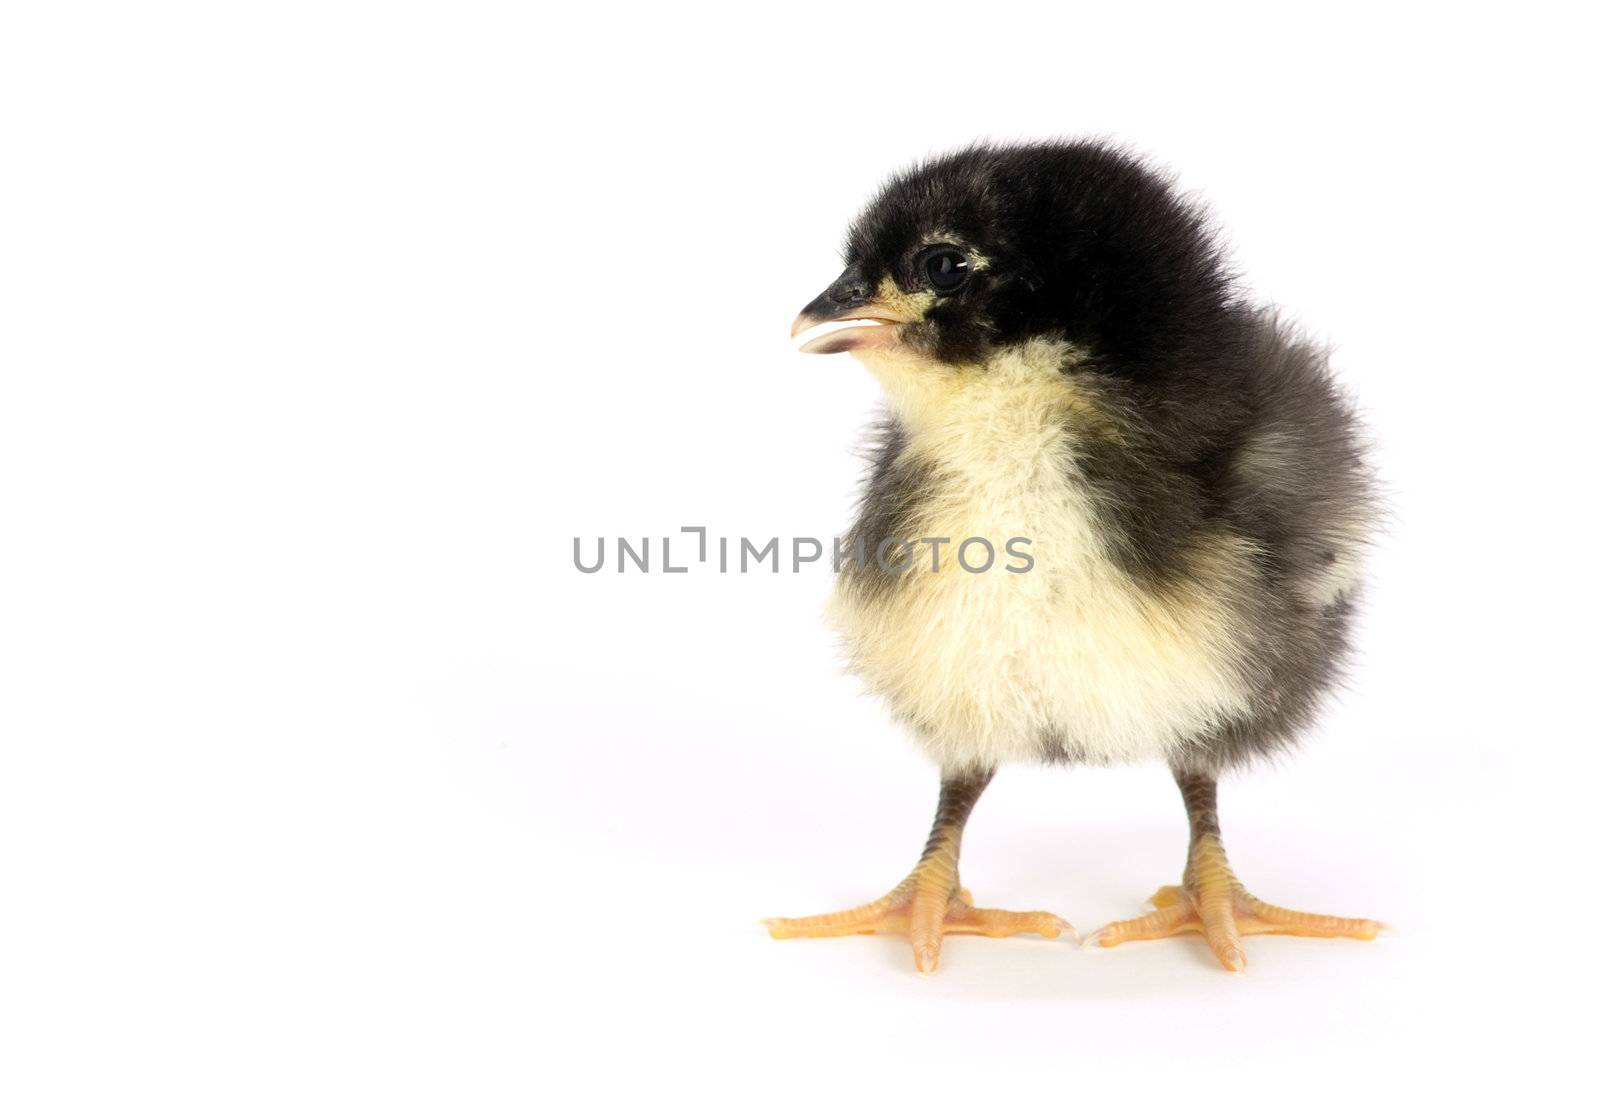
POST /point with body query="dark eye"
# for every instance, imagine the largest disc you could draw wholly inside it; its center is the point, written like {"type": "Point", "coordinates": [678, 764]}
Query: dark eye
{"type": "Point", "coordinates": [946, 269]}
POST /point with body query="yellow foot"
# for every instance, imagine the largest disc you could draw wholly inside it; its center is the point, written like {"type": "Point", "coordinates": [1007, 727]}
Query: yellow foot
{"type": "Point", "coordinates": [1223, 912]}
{"type": "Point", "coordinates": [924, 913]}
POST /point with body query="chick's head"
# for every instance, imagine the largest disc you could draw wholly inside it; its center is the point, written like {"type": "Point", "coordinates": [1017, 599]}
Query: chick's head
{"type": "Point", "coordinates": [979, 252]}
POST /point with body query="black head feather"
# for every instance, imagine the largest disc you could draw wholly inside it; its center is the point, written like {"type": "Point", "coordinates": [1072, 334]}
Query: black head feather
{"type": "Point", "coordinates": [1078, 241]}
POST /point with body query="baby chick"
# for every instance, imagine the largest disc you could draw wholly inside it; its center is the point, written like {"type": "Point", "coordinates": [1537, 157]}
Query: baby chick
{"type": "Point", "coordinates": [1067, 362]}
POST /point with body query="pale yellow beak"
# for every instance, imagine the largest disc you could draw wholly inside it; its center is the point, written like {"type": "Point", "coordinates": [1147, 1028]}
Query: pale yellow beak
{"type": "Point", "coordinates": [882, 326]}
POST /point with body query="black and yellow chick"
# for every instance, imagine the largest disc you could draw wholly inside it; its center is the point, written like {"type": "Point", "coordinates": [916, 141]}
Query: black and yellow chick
{"type": "Point", "coordinates": [1068, 362]}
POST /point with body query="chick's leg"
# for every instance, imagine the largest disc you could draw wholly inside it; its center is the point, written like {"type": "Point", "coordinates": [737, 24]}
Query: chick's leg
{"type": "Point", "coordinates": [929, 902]}
{"type": "Point", "coordinates": [1211, 900]}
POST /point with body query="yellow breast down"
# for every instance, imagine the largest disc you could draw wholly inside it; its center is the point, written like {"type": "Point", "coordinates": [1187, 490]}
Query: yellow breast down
{"type": "Point", "coordinates": [1071, 655]}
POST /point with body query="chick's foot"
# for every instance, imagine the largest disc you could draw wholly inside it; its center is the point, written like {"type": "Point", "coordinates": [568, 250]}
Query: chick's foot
{"type": "Point", "coordinates": [924, 908]}
{"type": "Point", "coordinates": [929, 903]}
{"type": "Point", "coordinates": [1214, 904]}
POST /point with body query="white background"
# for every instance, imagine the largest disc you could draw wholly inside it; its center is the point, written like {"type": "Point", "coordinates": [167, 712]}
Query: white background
{"type": "Point", "coordinates": [326, 327]}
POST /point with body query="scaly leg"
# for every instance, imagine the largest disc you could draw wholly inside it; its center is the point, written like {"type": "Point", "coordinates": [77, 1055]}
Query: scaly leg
{"type": "Point", "coordinates": [929, 902]}
{"type": "Point", "coordinates": [1212, 902]}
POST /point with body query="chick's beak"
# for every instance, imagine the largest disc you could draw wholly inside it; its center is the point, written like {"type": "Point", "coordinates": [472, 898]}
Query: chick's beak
{"type": "Point", "coordinates": [848, 299]}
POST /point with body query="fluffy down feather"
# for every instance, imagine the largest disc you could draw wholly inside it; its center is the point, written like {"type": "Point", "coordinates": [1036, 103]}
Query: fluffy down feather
{"type": "Point", "coordinates": [1190, 479]}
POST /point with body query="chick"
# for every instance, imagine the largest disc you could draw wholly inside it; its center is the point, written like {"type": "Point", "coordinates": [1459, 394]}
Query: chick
{"type": "Point", "coordinates": [1067, 361]}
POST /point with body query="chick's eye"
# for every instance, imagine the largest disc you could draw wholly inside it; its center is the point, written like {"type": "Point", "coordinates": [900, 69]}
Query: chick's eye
{"type": "Point", "coordinates": [946, 269]}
